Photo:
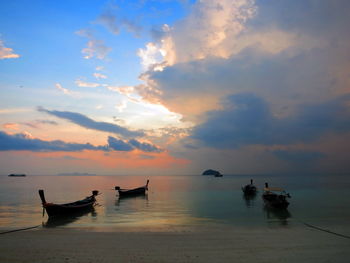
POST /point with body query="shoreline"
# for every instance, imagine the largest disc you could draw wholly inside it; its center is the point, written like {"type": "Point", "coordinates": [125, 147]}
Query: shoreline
{"type": "Point", "coordinates": [214, 244]}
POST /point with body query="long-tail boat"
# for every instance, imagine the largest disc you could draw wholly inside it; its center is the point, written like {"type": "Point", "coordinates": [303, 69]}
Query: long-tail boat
{"type": "Point", "coordinates": [275, 197]}
{"type": "Point", "coordinates": [68, 208]}
{"type": "Point", "coordinates": [249, 189]}
{"type": "Point", "coordinates": [132, 192]}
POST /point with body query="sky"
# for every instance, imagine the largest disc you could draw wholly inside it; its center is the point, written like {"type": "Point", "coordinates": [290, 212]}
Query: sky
{"type": "Point", "coordinates": [174, 87]}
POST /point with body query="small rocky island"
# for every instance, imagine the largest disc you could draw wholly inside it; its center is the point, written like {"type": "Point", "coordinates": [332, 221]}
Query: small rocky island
{"type": "Point", "coordinates": [212, 172]}
{"type": "Point", "coordinates": [17, 175]}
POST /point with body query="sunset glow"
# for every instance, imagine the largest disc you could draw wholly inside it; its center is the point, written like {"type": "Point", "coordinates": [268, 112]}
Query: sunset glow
{"type": "Point", "coordinates": [174, 87]}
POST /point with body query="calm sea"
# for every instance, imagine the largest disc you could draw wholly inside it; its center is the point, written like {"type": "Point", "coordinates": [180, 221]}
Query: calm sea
{"type": "Point", "coordinates": [177, 201]}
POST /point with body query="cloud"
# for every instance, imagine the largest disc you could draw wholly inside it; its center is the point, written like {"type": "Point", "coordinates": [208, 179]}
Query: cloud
{"type": "Point", "coordinates": [6, 52]}
{"type": "Point", "coordinates": [145, 147]}
{"type": "Point", "coordinates": [120, 145]}
{"type": "Point", "coordinates": [86, 122]}
{"type": "Point", "coordinates": [36, 124]}
{"type": "Point", "coordinates": [11, 126]}
{"type": "Point", "coordinates": [114, 24]}
{"type": "Point", "coordinates": [132, 26]}
{"type": "Point", "coordinates": [299, 157]}
{"type": "Point", "coordinates": [95, 48]}
{"type": "Point", "coordinates": [50, 122]}
{"type": "Point", "coordinates": [209, 30]}
{"type": "Point", "coordinates": [65, 91]}
{"type": "Point", "coordinates": [14, 110]}
{"type": "Point", "coordinates": [151, 55]}
{"type": "Point", "coordinates": [26, 142]}
{"type": "Point", "coordinates": [121, 106]}
{"type": "Point", "coordinates": [194, 87]}
{"type": "Point", "coordinates": [247, 120]}
{"type": "Point", "coordinates": [110, 21]}
{"type": "Point", "coordinates": [84, 84]}
{"type": "Point", "coordinates": [226, 47]}
{"type": "Point", "coordinates": [21, 142]}
{"type": "Point", "coordinates": [125, 90]}
{"type": "Point", "coordinates": [99, 76]}
{"type": "Point", "coordinates": [128, 91]}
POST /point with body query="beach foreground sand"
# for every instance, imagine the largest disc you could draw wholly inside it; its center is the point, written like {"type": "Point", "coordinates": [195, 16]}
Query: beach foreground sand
{"type": "Point", "coordinates": [224, 244]}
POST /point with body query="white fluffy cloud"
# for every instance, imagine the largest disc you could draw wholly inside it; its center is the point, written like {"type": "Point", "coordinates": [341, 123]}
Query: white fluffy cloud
{"type": "Point", "coordinates": [210, 30]}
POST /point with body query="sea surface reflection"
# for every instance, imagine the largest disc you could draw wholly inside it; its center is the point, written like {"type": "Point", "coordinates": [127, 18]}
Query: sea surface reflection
{"type": "Point", "coordinates": [250, 200]}
{"type": "Point", "coordinates": [174, 201]}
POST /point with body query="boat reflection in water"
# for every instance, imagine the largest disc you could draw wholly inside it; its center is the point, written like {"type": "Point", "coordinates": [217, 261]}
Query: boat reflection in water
{"type": "Point", "coordinates": [131, 198]}
{"type": "Point", "coordinates": [63, 220]}
{"type": "Point", "coordinates": [249, 199]}
{"type": "Point", "coordinates": [274, 215]}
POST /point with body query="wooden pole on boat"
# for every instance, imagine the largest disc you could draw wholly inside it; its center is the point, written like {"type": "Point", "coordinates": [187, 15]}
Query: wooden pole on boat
{"type": "Point", "coordinates": [147, 184]}
{"type": "Point", "coordinates": [42, 196]}
{"type": "Point", "coordinates": [43, 201]}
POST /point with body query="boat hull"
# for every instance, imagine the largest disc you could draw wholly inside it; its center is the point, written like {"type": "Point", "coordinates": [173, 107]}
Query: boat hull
{"type": "Point", "coordinates": [68, 208]}
{"type": "Point", "coordinates": [249, 190]}
{"type": "Point", "coordinates": [64, 210]}
{"type": "Point", "coordinates": [132, 192]}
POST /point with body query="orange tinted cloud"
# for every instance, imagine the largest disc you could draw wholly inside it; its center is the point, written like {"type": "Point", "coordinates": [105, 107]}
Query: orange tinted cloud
{"type": "Point", "coordinates": [11, 126]}
{"type": "Point", "coordinates": [6, 52]}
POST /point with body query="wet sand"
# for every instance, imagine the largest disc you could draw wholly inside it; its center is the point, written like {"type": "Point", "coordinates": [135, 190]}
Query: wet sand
{"type": "Point", "coordinates": [219, 244]}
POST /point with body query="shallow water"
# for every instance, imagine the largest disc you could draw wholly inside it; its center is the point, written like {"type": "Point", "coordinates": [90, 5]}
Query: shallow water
{"type": "Point", "coordinates": [177, 201]}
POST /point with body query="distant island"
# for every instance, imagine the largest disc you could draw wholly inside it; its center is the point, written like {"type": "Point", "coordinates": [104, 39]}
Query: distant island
{"type": "Point", "coordinates": [17, 175]}
{"type": "Point", "coordinates": [76, 174]}
{"type": "Point", "coordinates": [212, 172]}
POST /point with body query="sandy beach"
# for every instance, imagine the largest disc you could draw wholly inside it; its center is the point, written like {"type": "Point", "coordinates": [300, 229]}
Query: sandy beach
{"type": "Point", "coordinates": [221, 244]}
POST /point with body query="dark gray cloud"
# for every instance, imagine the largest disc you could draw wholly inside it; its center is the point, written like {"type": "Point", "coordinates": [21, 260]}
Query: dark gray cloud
{"type": "Point", "coordinates": [246, 119]}
{"type": "Point", "coordinates": [300, 157]}
{"type": "Point", "coordinates": [86, 122]}
{"type": "Point", "coordinates": [311, 16]}
{"type": "Point", "coordinates": [143, 146]}
{"type": "Point", "coordinates": [35, 124]}
{"type": "Point", "coordinates": [20, 142]}
{"type": "Point", "coordinates": [119, 145]}
{"type": "Point", "coordinates": [47, 122]}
